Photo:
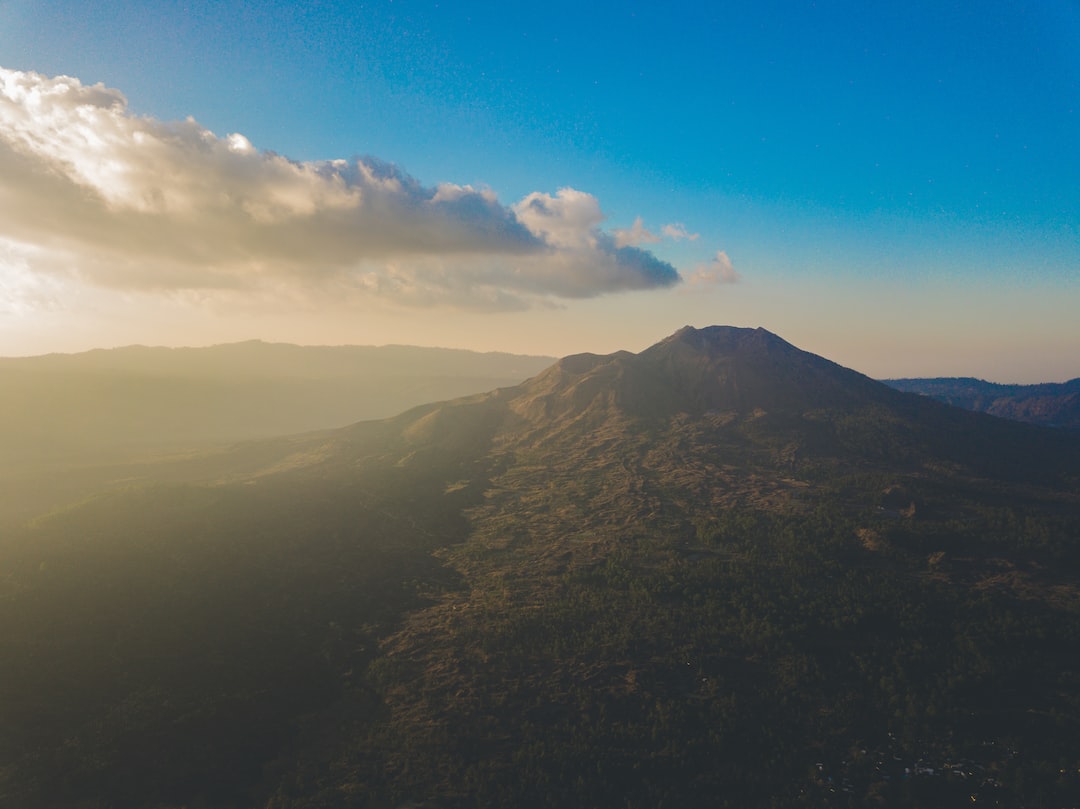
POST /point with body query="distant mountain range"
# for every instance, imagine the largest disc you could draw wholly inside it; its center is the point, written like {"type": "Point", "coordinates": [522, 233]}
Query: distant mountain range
{"type": "Point", "coordinates": [1051, 404]}
{"type": "Point", "coordinates": [122, 400]}
{"type": "Point", "coordinates": [71, 423]}
{"type": "Point", "coordinates": [722, 572]}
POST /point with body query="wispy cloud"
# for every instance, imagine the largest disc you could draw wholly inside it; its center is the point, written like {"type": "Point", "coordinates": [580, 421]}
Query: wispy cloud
{"type": "Point", "coordinates": [678, 231]}
{"type": "Point", "coordinates": [634, 235]}
{"type": "Point", "coordinates": [718, 271]}
{"type": "Point", "coordinates": [637, 234]}
{"type": "Point", "coordinates": [92, 191]}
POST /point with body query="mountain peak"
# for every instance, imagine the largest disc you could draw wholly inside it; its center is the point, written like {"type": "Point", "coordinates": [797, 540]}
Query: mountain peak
{"type": "Point", "coordinates": [719, 340]}
{"type": "Point", "coordinates": [718, 332]}
{"type": "Point", "coordinates": [718, 368]}
{"type": "Point", "coordinates": [731, 368]}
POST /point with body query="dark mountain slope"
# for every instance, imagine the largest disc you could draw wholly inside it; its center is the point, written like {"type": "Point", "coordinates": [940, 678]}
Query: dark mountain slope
{"type": "Point", "coordinates": [774, 398]}
{"type": "Point", "coordinates": [721, 572]}
{"type": "Point", "coordinates": [1051, 405]}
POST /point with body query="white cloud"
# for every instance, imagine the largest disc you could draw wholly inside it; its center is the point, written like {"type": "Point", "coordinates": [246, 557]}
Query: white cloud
{"type": "Point", "coordinates": [678, 231]}
{"type": "Point", "coordinates": [117, 200]}
{"type": "Point", "coordinates": [638, 234]}
{"type": "Point", "coordinates": [718, 271]}
{"type": "Point", "coordinates": [634, 235]}
{"type": "Point", "coordinates": [568, 219]}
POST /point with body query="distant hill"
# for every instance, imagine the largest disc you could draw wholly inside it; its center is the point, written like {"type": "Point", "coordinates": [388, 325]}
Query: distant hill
{"type": "Point", "coordinates": [721, 572]}
{"type": "Point", "coordinates": [125, 399]}
{"type": "Point", "coordinates": [1051, 404]}
{"type": "Point", "coordinates": [69, 422]}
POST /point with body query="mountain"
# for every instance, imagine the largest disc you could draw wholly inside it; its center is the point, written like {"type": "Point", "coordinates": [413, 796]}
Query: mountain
{"type": "Point", "coordinates": [138, 398]}
{"type": "Point", "coordinates": [720, 572]}
{"type": "Point", "coordinates": [71, 424]}
{"type": "Point", "coordinates": [1051, 404]}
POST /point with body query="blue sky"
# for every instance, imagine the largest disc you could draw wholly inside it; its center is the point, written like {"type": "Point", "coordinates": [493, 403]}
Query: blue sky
{"type": "Point", "coordinates": [895, 187]}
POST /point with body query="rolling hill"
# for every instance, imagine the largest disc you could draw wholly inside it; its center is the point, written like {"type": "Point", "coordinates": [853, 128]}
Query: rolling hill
{"type": "Point", "coordinates": [720, 572]}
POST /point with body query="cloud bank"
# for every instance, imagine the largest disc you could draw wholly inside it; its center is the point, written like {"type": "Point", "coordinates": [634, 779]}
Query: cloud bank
{"type": "Point", "coordinates": [92, 191]}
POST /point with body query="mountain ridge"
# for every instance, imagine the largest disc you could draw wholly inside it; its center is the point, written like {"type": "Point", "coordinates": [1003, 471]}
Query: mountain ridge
{"type": "Point", "coordinates": [743, 376]}
{"type": "Point", "coordinates": [1049, 404]}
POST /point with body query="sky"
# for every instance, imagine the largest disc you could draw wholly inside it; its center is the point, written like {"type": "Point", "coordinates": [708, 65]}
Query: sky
{"type": "Point", "coordinates": [893, 186]}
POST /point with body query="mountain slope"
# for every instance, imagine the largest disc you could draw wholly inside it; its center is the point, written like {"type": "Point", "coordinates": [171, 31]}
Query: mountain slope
{"type": "Point", "coordinates": [721, 572]}
{"type": "Point", "coordinates": [1051, 405]}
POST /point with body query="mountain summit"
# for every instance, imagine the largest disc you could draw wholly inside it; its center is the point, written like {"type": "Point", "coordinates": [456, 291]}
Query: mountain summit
{"type": "Point", "coordinates": [727, 368]}
{"type": "Point", "coordinates": [746, 390]}
{"type": "Point", "coordinates": [697, 371]}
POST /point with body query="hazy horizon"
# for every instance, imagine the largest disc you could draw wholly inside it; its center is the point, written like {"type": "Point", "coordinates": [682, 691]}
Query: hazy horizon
{"type": "Point", "coordinates": [552, 357]}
